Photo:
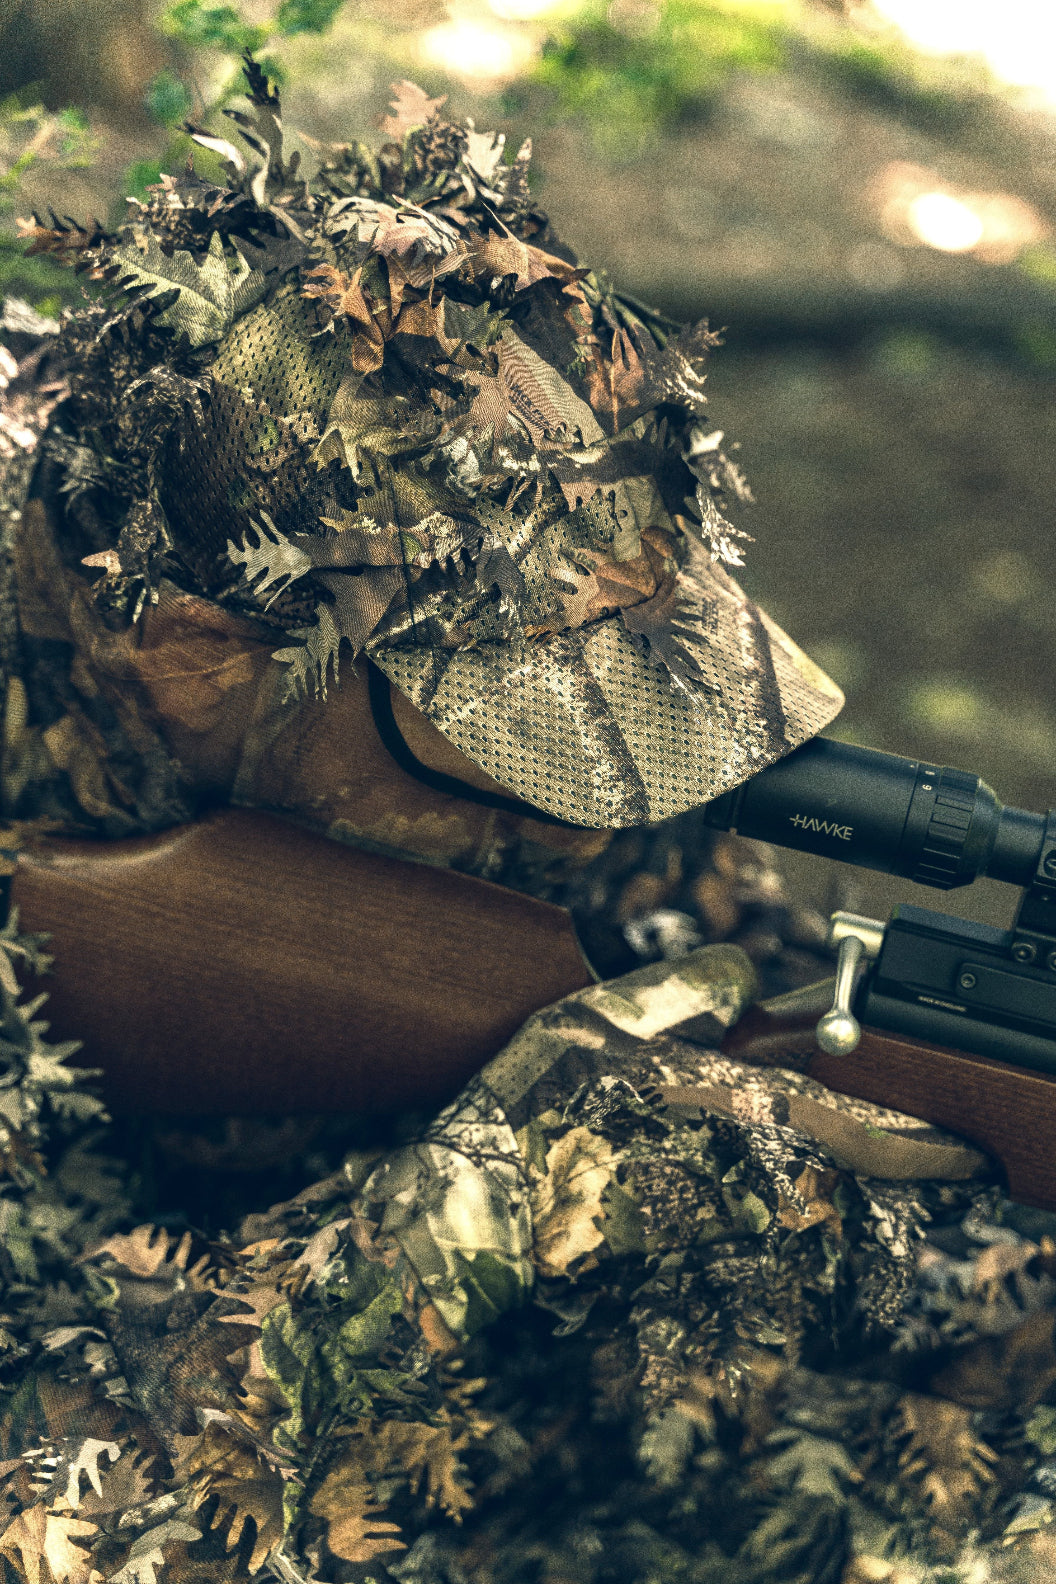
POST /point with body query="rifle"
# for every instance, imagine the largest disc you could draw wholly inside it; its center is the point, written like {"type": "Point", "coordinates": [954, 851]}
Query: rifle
{"type": "Point", "coordinates": [948, 1020]}
{"type": "Point", "coordinates": [348, 980]}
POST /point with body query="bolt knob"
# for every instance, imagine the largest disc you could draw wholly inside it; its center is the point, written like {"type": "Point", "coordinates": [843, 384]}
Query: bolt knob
{"type": "Point", "coordinates": [838, 1033]}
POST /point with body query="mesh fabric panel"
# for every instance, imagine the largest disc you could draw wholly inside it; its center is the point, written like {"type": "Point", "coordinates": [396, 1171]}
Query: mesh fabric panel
{"type": "Point", "coordinates": [582, 725]}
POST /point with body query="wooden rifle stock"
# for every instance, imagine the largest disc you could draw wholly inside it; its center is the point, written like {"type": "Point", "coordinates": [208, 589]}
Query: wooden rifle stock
{"type": "Point", "coordinates": [245, 965]}
{"type": "Point", "coordinates": [1007, 1111]}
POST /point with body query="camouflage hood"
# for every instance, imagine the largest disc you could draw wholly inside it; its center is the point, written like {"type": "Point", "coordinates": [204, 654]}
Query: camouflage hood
{"type": "Point", "coordinates": [384, 408]}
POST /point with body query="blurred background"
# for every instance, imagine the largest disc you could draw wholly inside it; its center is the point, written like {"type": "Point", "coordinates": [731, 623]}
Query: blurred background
{"type": "Point", "coordinates": [862, 193]}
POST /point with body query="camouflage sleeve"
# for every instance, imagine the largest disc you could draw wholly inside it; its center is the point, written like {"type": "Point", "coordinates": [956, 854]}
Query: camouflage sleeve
{"type": "Point", "coordinates": [292, 1403]}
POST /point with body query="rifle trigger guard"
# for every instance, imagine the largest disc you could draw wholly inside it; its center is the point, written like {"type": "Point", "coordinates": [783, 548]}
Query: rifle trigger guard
{"type": "Point", "coordinates": [839, 1031]}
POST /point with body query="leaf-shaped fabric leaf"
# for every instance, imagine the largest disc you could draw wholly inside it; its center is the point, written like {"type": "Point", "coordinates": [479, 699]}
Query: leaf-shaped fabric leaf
{"type": "Point", "coordinates": [813, 1464]}
{"type": "Point", "coordinates": [501, 253]}
{"type": "Point", "coordinates": [942, 1452]}
{"type": "Point", "coordinates": [82, 1457]}
{"type": "Point", "coordinates": [210, 295]}
{"type": "Point", "coordinates": [233, 159]}
{"type": "Point", "coordinates": [147, 1249]}
{"type": "Point", "coordinates": [475, 327]}
{"type": "Point", "coordinates": [147, 1555]}
{"type": "Point", "coordinates": [66, 242]}
{"type": "Point", "coordinates": [273, 560]}
{"type": "Point", "coordinates": [310, 660]}
{"type": "Point", "coordinates": [411, 107]}
{"type": "Point", "coordinates": [261, 127]}
{"type": "Point", "coordinates": [483, 155]}
{"type": "Point", "coordinates": [41, 1545]}
{"type": "Point", "coordinates": [567, 1205]}
{"type": "Point", "coordinates": [226, 1469]}
{"type": "Point", "coordinates": [354, 1531]}
{"type": "Point", "coordinates": [426, 1453]}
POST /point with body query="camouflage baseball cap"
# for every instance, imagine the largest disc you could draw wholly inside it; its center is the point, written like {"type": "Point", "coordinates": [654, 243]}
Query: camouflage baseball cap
{"type": "Point", "coordinates": [384, 407]}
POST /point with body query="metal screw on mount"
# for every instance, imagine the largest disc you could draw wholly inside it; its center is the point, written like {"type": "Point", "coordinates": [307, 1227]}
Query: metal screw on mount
{"type": "Point", "coordinates": [1049, 864]}
{"type": "Point", "coordinates": [1050, 961]}
{"type": "Point", "coordinates": [1024, 952]}
{"type": "Point", "coordinates": [967, 981]}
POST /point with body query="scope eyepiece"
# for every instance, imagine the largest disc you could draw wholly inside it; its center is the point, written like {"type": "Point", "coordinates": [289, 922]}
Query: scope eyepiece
{"type": "Point", "coordinates": [934, 825]}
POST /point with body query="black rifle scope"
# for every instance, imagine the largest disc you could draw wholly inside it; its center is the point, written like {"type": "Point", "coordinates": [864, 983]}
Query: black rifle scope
{"type": "Point", "coordinates": [936, 826]}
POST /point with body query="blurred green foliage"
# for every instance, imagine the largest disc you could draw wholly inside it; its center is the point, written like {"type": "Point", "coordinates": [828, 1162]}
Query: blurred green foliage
{"type": "Point", "coordinates": [305, 16]}
{"type": "Point", "coordinates": [212, 27]}
{"type": "Point", "coordinates": [168, 99]}
{"type": "Point", "coordinates": [894, 79]}
{"type": "Point", "coordinates": [633, 70]}
{"type": "Point", "coordinates": [223, 27]}
{"type": "Point", "coordinates": [29, 134]}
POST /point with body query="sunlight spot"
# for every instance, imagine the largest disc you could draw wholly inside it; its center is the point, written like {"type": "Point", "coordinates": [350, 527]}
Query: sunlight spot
{"type": "Point", "coordinates": [917, 207]}
{"type": "Point", "coordinates": [1016, 39]}
{"type": "Point", "coordinates": [945, 222]}
{"type": "Point", "coordinates": [521, 10]}
{"type": "Point", "coordinates": [476, 50]}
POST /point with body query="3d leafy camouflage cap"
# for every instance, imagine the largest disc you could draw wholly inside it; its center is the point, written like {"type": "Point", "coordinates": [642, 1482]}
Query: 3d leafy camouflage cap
{"type": "Point", "coordinates": [383, 407]}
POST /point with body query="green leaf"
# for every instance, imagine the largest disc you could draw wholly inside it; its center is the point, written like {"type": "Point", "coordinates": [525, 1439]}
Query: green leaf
{"type": "Point", "coordinates": [289, 1355]}
{"type": "Point", "coordinates": [622, 1227]}
{"type": "Point", "coordinates": [211, 296]}
{"type": "Point", "coordinates": [1041, 1430]}
{"type": "Point", "coordinates": [168, 99]}
{"type": "Point", "coordinates": [77, 144]}
{"type": "Point", "coordinates": [363, 1333]}
{"type": "Point", "coordinates": [491, 1286]}
{"type": "Point", "coordinates": [306, 16]}
{"type": "Point", "coordinates": [749, 1213]}
{"type": "Point", "coordinates": [212, 27]}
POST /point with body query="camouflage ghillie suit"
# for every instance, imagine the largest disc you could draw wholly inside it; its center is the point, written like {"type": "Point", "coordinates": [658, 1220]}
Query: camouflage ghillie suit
{"type": "Point", "coordinates": [727, 1253]}
{"type": "Point", "coordinates": [367, 1379]}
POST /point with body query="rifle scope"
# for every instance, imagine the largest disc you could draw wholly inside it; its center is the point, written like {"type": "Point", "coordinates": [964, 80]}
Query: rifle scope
{"type": "Point", "coordinates": [933, 825]}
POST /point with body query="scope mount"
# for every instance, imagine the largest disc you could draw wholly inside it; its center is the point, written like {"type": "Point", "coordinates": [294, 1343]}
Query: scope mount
{"type": "Point", "coordinates": [951, 981]}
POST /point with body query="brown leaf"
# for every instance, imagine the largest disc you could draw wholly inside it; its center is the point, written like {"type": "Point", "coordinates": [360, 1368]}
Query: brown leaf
{"type": "Point", "coordinates": [145, 1249]}
{"type": "Point", "coordinates": [410, 107]}
{"type": "Point", "coordinates": [1010, 1371]}
{"type": "Point", "coordinates": [426, 1453]}
{"type": "Point", "coordinates": [64, 242]}
{"type": "Point", "coordinates": [501, 253]}
{"type": "Point", "coordinates": [997, 1261]}
{"type": "Point", "coordinates": [944, 1458]}
{"type": "Point", "coordinates": [346, 1501]}
{"type": "Point", "coordinates": [343, 297]}
{"type": "Point", "coordinates": [252, 1493]}
{"type": "Point", "coordinates": [419, 275]}
{"type": "Point", "coordinates": [813, 1189]}
{"type": "Point", "coordinates": [37, 1537]}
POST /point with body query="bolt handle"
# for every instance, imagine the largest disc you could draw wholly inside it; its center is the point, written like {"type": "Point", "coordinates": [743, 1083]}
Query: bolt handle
{"type": "Point", "coordinates": [839, 1031]}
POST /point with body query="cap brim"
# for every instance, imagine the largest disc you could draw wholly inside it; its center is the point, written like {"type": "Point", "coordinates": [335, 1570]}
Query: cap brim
{"type": "Point", "coordinates": [582, 725]}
